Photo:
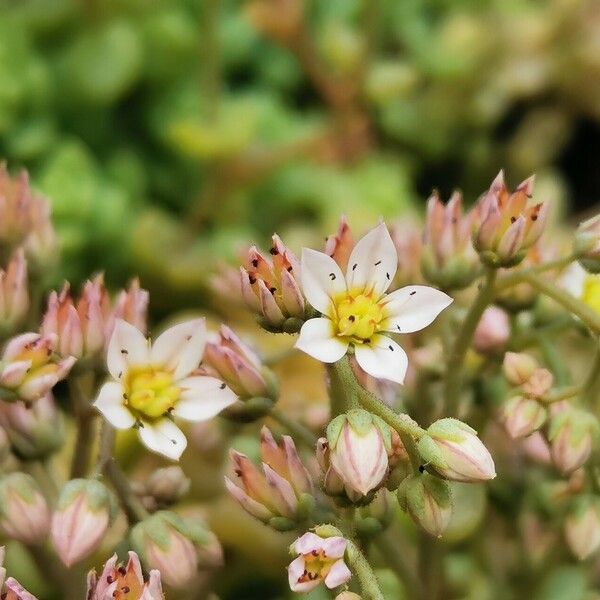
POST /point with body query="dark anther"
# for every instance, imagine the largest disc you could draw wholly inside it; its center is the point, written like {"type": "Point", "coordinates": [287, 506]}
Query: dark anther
{"type": "Point", "coordinates": [513, 219]}
{"type": "Point", "coordinates": [534, 217]}
{"type": "Point", "coordinates": [272, 290]}
{"type": "Point", "coordinates": [351, 318]}
{"type": "Point", "coordinates": [251, 279]}
{"type": "Point", "coordinates": [332, 276]}
{"type": "Point", "coordinates": [422, 469]}
{"type": "Point", "coordinates": [123, 351]}
{"type": "Point", "coordinates": [125, 589]}
{"type": "Point", "coordinates": [174, 442]}
{"type": "Point", "coordinates": [222, 386]}
{"type": "Point", "coordinates": [378, 263]}
{"type": "Point", "coordinates": [398, 328]}
{"type": "Point", "coordinates": [110, 579]}
{"type": "Point", "coordinates": [368, 341]}
{"type": "Point", "coordinates": [354, 266]}
{"type": "Point", "coordinates": [413, 293]}
{"type": "Point", "coordinates": [188, 338]}
{"type": "Point", "coordinates": [391, 347]}
{"type": "Point", "coordinates": [289, 269]}
{"type": "Point", "coordinates": [273, 251]}
{"type": "Point", "coordinates": [388, 276]}
{"type": "Point", "coordinates": [123, 570]}
{"type": "Point", "coordinates": [255, 263]}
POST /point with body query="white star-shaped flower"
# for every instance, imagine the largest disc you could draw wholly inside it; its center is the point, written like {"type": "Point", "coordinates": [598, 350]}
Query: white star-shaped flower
{"type": "Point", "coordinates": [357, 311]}
{"type": "Point", "coordinates": [152, 384]}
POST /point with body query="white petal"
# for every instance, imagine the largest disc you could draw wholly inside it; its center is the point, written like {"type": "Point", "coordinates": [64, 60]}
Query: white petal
{"type": "Point", "coordinates": [572, 279]}
{"type": "Point", "coordinates": [180, 347]}
{"type": "Point", "coordinates": [338, 574]}
{"type": "Point", "coordinates": [127, 346]}
{"type": "Point", "coordinates": [373, 261]}
{"type": "Point", "coordinates": [308, 542]}
{"type": "Point", "coordinates": [413, 307]}
{"type": "Point", "coordinates": [322, 279]}
{"type": "Point", "coordinates": [163, 437]}
{"type": "Point", "coordinates": [202, 398]}
{"type": "Point", "coordinates": [296, 572]}
{"type": "Point", "coordinates": [318, 338]}
{"type": "Point", "coordinates": [110, 403]}
{"type": "Point", "coordinates": [382, 358]}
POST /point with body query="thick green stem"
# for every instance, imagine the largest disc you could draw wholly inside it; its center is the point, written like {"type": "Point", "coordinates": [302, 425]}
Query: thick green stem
{"type": "Point", "coordinates": [430, 571]}
{"type": "Point", "coordinates": [362, 569]}
{"type": "Point", "coordinates": [81, 388]}
{"type": "Point", "coordinates": [298, 430]}
{"type": "Point", "coordinates": [341, 397]}
{"type": "Point", "coordinates": [462, 342]}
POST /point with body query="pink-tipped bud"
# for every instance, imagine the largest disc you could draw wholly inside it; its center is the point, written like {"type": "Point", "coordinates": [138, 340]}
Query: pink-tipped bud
{"type": "Point", "coordinates": [448, 259]}
{"type": "Point", "coordinates": [35, 430]}
{"type": "Point", "coordinates": [131, 305]}
{"type": "Point", "coordinates": [571, 435]}
{"type": "Point", "coordinates": [518, 367]}
{"type": "Point", "coordinates": [166, 486]}
{"type": "Point", "coordinates": [508, 226]}
{"type": "Point", "coordinates": [522, 416]}
{"type": "Point", "coordinates": [30, 367]}
{"type": "Point", "coordinates": [493, 331]}
{"type": "Point", "coordinates": [453, 451]}
{"type": "Point", "coordinates": [171, 544]}
{"type": "Point", "coordinates": [84, 513]}
{"type": "Point", "coordinates": [24, 513]}
{"type": "Point", "coordinates": [339, 245]}
{"type": "Point", "coordinates": [239, 367]}
{"type": "Point", "coordinates": [428, 501]}
{"type": "Point", "coordinates": [124, 579]}
{"type": "Point", "coordinates": [272, 287]}
{"type": "Point", "coordinates": [14, 295]}
{"type": "Point", "coordinates": [359, 444]}
{"type": "Point", "coordinates": [582, 526]}
{"type": "Point", "coordinates": [539, 384]}
{"type": "Point", "coordinates": [587, 244]}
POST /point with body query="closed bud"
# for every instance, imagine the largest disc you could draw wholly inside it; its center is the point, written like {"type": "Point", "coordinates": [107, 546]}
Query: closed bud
{"type": "Point", "coordinates": [571, 434]}
{"type": "Point", "coordinates": [518, 367]}
{"type": "Point", "coordinates": [282, 489]}
{"type": "Point", "coordinates": [508, 226]}
{"type": "Point", "coordinates": [408, 240]}
{"type": "Point", "coordinates": [348, 596]}
{"type": "Point", "coordinates": [339, 245]}
{"type": "Point", "coordinates": [166, 486]}
{"type": "Point", "coordinates": [493, 331]}
{"type": "Point", "coordinates": [539, 384]}
{"type": "Point", "coordinates": [586, 245]}
{"type": "Point", "coordinates": [131, 305]}
{"type": "Point", "coordinates": [24, 512]}
{"type": "Point", "coordinates": [238, 366]}
{"type": "Point", "coordinates": [82, 517]}
{"type": "Point", "coordinates": [452, 450]}
{"type": "Point", "coordinates": [448, 259]}
{"type": "Point", "coordinates": [14, 295]}
{"type": "Point", "coordinates": [34, 431]}
{"type": "Point", "coordinates": [359, 444]}
{"type": "Point", "coordinates": [167, 542]}
{"type": "Point", "coordinates": [30, 368]}
{"type": "Point", "coordinates": [428, 501]}
{"type": "Point", "coordinates": [271, 287]}
{"type": "Point", "coordinates": [522, 416]}
{"type": "Point", "coordinates": [582, 526]}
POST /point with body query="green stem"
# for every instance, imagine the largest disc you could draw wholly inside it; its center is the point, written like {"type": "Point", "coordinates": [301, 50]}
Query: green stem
{"type": "Point", "coordinates": [563, 394]}
{"type": "Point", "coordinates": [430, 571]}
{"type": "Point", "coordinates": [591, 381]}
{"type": "Point", "coordinates": [297, 430]}
{"type": "Point", "coordinates": [589, 316]}
{"type": "Point", "coordinates": [554, 360]}
{"type": "Point", "coordinates": [463, 340]}
{"type": "Point", "coordinates": [81, 389]}
{"type": "Point", "coordinates": [360, 565]}
{"type": "Point", "coordinates": [39, 470]}
{"type": "Point", "coordinates": [340, 397]}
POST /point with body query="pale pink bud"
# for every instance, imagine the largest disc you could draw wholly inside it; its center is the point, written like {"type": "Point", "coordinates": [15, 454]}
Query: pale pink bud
{"type": "Point", "coordinates": [24, 513]}
{"type": "Point", "coordinates": [587, 244]}
{"type": "Point", "coordinates": [453, 451]}
{"type": "Point", "coordinates": [41, 242]}
{"type": "Point", "coordinates": [539, 384]}
{"type": "Point", "coordinates": [493, 331]}
{"type": "Point", "coordinates": [131, 305]}
{"type": "Point", "coordinates": [522, 416]}
{"type": "Point", "coordinates": [536, 448]}
{"type": "Point", "coordinates": [319, 560]}
{"type": "Point", "coordinates": [518, 367]}
{"type": "Point", "coordinates": [582, 527]}
{"type": "Point", "coordinates": [14, 295]}
{"type": "Point", "coordinates": [359, 444]}
{"type": "Point", "coordinates": [167, 485]}
{"type": "Point", "coordinates": [339, 245]}
{"type": "Point", "coordinates": [84, 512]}
{"type": "Point", "coordinates": [10, 588]}
{"type": "Point", "coordinates": [571, 434]}
{"type": "Point", "coordinates": [407, 237]}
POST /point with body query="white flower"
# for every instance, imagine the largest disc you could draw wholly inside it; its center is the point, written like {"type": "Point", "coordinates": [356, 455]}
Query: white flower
{"type": "Point", "coordinates": [356, 308]}
{"type": "Point", "coordinates": [152, 384]}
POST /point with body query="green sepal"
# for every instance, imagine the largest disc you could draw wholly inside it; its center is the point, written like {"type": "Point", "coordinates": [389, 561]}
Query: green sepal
{"type": "Point", "coordinates": [334, 429]}
{"type": "Point", "coordinates": [430, 452]}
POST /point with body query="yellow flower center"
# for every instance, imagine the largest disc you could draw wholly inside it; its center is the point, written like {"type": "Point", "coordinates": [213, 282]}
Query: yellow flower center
{"type": "Point", "coordinates": [590, 294]}
{"type": "Point", "coordinates": [358, 316]}
{"type": "Point", "coordinates": [150, 391]}
{"type": "Point", "coordinates": [316, 565]}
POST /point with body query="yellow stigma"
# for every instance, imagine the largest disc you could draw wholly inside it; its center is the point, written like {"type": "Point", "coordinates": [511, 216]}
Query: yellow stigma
{"type": "Point", "coordinates": [150, 391]}
{"type": "Point", "coordinates": [358, 316]}
{"type": "Point", "coordinates": [590, 294]}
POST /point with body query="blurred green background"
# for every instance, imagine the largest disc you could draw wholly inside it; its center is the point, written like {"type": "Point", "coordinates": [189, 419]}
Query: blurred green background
{"type": "Point", "coordinates": [168, 133]}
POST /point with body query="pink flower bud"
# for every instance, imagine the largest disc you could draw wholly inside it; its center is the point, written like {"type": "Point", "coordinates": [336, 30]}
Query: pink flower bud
{"type": "Point", "coordinates": [283, 489]}
{"type": "Point", "coordinates": [84, 512]}
{"type": "Point", "coordinates": [508, 227]}
{"type": "Point", "coordinates": [118, 577]}
{"type": "Point", "coordinates": [339, 245]}
{"type": "Point", "coordinates": [11, 589]}
{"type": "Point", "coordinates": [35, 431]}
{"type": "Point", "coordinates": [522, 416]}
{"type": "Point", "coordinates": [582, 527]}
{"type": "Point", "coordinates": [318, 560]}
{"type": "Point", "coordinates": [359, 443]}
{"type": "Point", "coordinates": [518, 367]}
{"type": "Point", "coordinates": [238, 366]}
{"type": "Point", "coordinates": [131, 305]}
{"type": "Point", "coordinates": [167, 485]}
{"type": "Point", "coordinates": [428, 501]}
{"type": "Point", "coordinates": [539, 384]}
{"type": "Point", "coordinates": [29, 366]}
{"type": "Point", "coordinates": [24, 513]}
{"type": "Point", "coordinates": [14, 295]}
{"type": "Point", "coordinates": [272, 288]}
{"type": "Point", "coordinates": [493, 331]}
{"type": "Point", "coordinates": [408, 240]}
{"type": "Point", "coordinates": [453, 451]}
{"type": "Point", "coordinates": [587, 244]}
{"type": "Point", "coordinates": [571, 434]}
{"type": "Point", "coordinates": [168, 543]}
{"type": "Point", "coordinates": [536, 448]}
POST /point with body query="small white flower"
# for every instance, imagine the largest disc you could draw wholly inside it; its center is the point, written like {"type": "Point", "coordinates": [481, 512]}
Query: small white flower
{"type": "Point", "coordinates": [152, 384]}
{"type": "Point", "coordinates": [356, 308]}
